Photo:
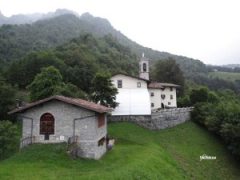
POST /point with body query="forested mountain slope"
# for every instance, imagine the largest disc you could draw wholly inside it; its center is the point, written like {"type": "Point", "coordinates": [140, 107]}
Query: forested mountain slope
{"type": "Point", "coordinates": [31, 18]}
{"type": "Point", "coordinates": [16, 41]}
{"type": "Point", "coordinates": [78, 61]}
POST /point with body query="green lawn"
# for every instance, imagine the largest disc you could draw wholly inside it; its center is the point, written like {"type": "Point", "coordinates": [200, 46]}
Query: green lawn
{"type": "Point", "coordinates": [229, 76]}
{"type": "Point", "coordinates": [138, 154]}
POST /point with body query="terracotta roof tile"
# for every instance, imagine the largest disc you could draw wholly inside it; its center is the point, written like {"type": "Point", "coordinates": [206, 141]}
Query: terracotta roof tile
{"type": "Point", "coordinates": [169, 85]}
{"type": "Point", "coordinates": [135, 77]}
{"type": "Point", "coordinates": [74, 101]}
{"type": "Point", "coordinates": [157, 85]}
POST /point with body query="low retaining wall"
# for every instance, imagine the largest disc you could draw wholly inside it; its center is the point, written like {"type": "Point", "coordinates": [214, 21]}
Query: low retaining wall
{"type": "Point", "coordinates": [160, 119]}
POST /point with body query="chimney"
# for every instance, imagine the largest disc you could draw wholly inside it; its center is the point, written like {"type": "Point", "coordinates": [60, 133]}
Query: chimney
{"type": "Point", "coordinates": [19, 103]}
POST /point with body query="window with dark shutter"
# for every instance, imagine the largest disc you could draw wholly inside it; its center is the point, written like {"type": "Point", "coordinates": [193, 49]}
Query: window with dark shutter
{"type": "Point", "coordinates": [101, 120]}
{"type": "Point", "coordinates": [119, 83]}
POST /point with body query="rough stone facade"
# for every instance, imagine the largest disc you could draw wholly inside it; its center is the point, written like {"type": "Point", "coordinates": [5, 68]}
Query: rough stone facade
{"type": "Point", "coordinates": [160, 119]}
{"type": "Point", "coordinates": [69, 121]}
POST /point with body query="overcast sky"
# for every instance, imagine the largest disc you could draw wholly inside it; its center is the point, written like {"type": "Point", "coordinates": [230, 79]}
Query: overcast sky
{"type": "Point", "coordinates": [208, 30]}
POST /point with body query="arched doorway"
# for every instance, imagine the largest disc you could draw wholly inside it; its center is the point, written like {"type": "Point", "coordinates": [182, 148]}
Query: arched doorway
{"type": "Point", "coordinates": [162, 106]}
{"type": "Point", "coordinates": [47, 125]}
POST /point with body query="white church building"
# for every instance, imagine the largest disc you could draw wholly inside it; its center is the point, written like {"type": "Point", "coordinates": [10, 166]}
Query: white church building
{"type": "Point", "coordinates": [140, 96]}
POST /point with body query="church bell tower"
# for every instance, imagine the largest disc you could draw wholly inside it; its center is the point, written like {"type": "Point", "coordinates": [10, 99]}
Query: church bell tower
{"type": "Point", "coordinates": [144, 68]}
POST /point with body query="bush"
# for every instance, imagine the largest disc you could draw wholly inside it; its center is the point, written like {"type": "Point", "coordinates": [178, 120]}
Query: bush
{"type": "Point", "coordinates": [71, 90]}
{"type": "Point", "coordinates": [222, 118]}
{"type": "Point", "coordinates": [184, 101]}
{"type": "Point", "coordinates": [201, 111]}
{"type": "Point", "coordinates": [7, 96]}
{"type": "Point", "coordinates": [8, 138]}
{"type": "Point", "coordinates": [199, 95]}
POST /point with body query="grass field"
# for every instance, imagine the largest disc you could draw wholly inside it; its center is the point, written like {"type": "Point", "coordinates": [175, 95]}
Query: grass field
{"type": "Point", "coordinates": [225, 75]}
{"type": "Point", "coordinates": [138, 154]}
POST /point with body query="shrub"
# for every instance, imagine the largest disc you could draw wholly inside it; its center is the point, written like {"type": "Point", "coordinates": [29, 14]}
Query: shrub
{"type": "Point", "coordinates": [199, 95]}
{"type": "Point", "coordinates": [222, 118]}
{"type": "Point", "coordinates": [7, 96]}
{"type": "Point", "coordinates": [184, 101]}
{"type": "Point", "coordinates": [8, 138]}
{"type": "Point", "coordinates": [200, 112]}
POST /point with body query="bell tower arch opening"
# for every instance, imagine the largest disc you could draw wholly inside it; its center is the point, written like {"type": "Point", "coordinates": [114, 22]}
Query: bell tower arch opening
{"type": "Point", "coordinates": [144, 68]}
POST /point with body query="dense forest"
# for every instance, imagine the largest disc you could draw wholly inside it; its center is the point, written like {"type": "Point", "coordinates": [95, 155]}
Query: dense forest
{"type": "Point", "coordinates": [80, 57]}
{"type": "Point", "coordinates": [16, 41]}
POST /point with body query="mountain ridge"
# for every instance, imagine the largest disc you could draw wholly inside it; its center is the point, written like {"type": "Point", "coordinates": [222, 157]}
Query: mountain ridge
{"type": "Point", "coordinates": [33, 17]}
{"type": "Point", "coordinates": [232, 66]}
{"type": "Point", "coordinates": [52, 32]}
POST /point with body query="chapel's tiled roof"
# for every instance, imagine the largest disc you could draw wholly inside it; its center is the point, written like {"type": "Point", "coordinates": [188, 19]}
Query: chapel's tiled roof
{"type": "Point", "coordinates": [74, 101]}
{"type": "Point", "coordinates": [169, 85]}
{"type": "Point", "coordinates": [157, 85]}
{"type": "Point", "coordinates": [130, 76]}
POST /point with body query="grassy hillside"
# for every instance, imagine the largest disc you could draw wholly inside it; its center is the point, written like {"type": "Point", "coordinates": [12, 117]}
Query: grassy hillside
{"type": "Point", "coordinates": [138, 154]}
{"type": "Point", "coordinates": [228, 76]}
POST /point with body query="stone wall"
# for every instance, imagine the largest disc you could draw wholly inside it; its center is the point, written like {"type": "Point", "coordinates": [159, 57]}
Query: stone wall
{"type": "Point", "coordinates": [160, 119]}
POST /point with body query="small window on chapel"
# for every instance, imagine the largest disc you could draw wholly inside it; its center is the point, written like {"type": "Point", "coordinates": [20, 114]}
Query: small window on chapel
{"type": "Point", "coordinates": [119, 83]}
{"type": "Point", "coordinates": [171, 96]}
{"type": "Point", "coordinates": [138, 84]}
{"type": "Point", "coordinates": [152, 104]}
{"type": "Point", "coordinates": [101, 120]}
{"type": "Point", "coordinates": [169, 103]}
{"type": "Point", "coordinates": [152, 94]}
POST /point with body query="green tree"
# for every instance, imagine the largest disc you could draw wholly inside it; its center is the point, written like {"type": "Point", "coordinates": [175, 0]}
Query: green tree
{"type": "Point", "coordinates": [203, 95]}
{"type": "Point", "coordinates": [7, 98]}
{"type": "Point", "coordinates": [167, 70]}
{"type": "Point", "coordinates": [47, 83]}
{"type": "Point", "coordinates": [103, 91]}
{"type": "Point", "coordinates": [22, 72]}
{"type": "Point", "coordinates": [219, 113]}
{"type": "Point", "coordinates": [184, 101]}
{"type": "Point", "coordinates": [199, 95]}
{"type": "Point", "coordinates": [71, 90]}
{"type": "Point", "coordinates": [8, 138]}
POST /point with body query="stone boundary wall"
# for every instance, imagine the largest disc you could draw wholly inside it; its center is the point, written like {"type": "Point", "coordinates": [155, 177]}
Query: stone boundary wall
{"type": "Point", "coordinates": [159, 119]}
